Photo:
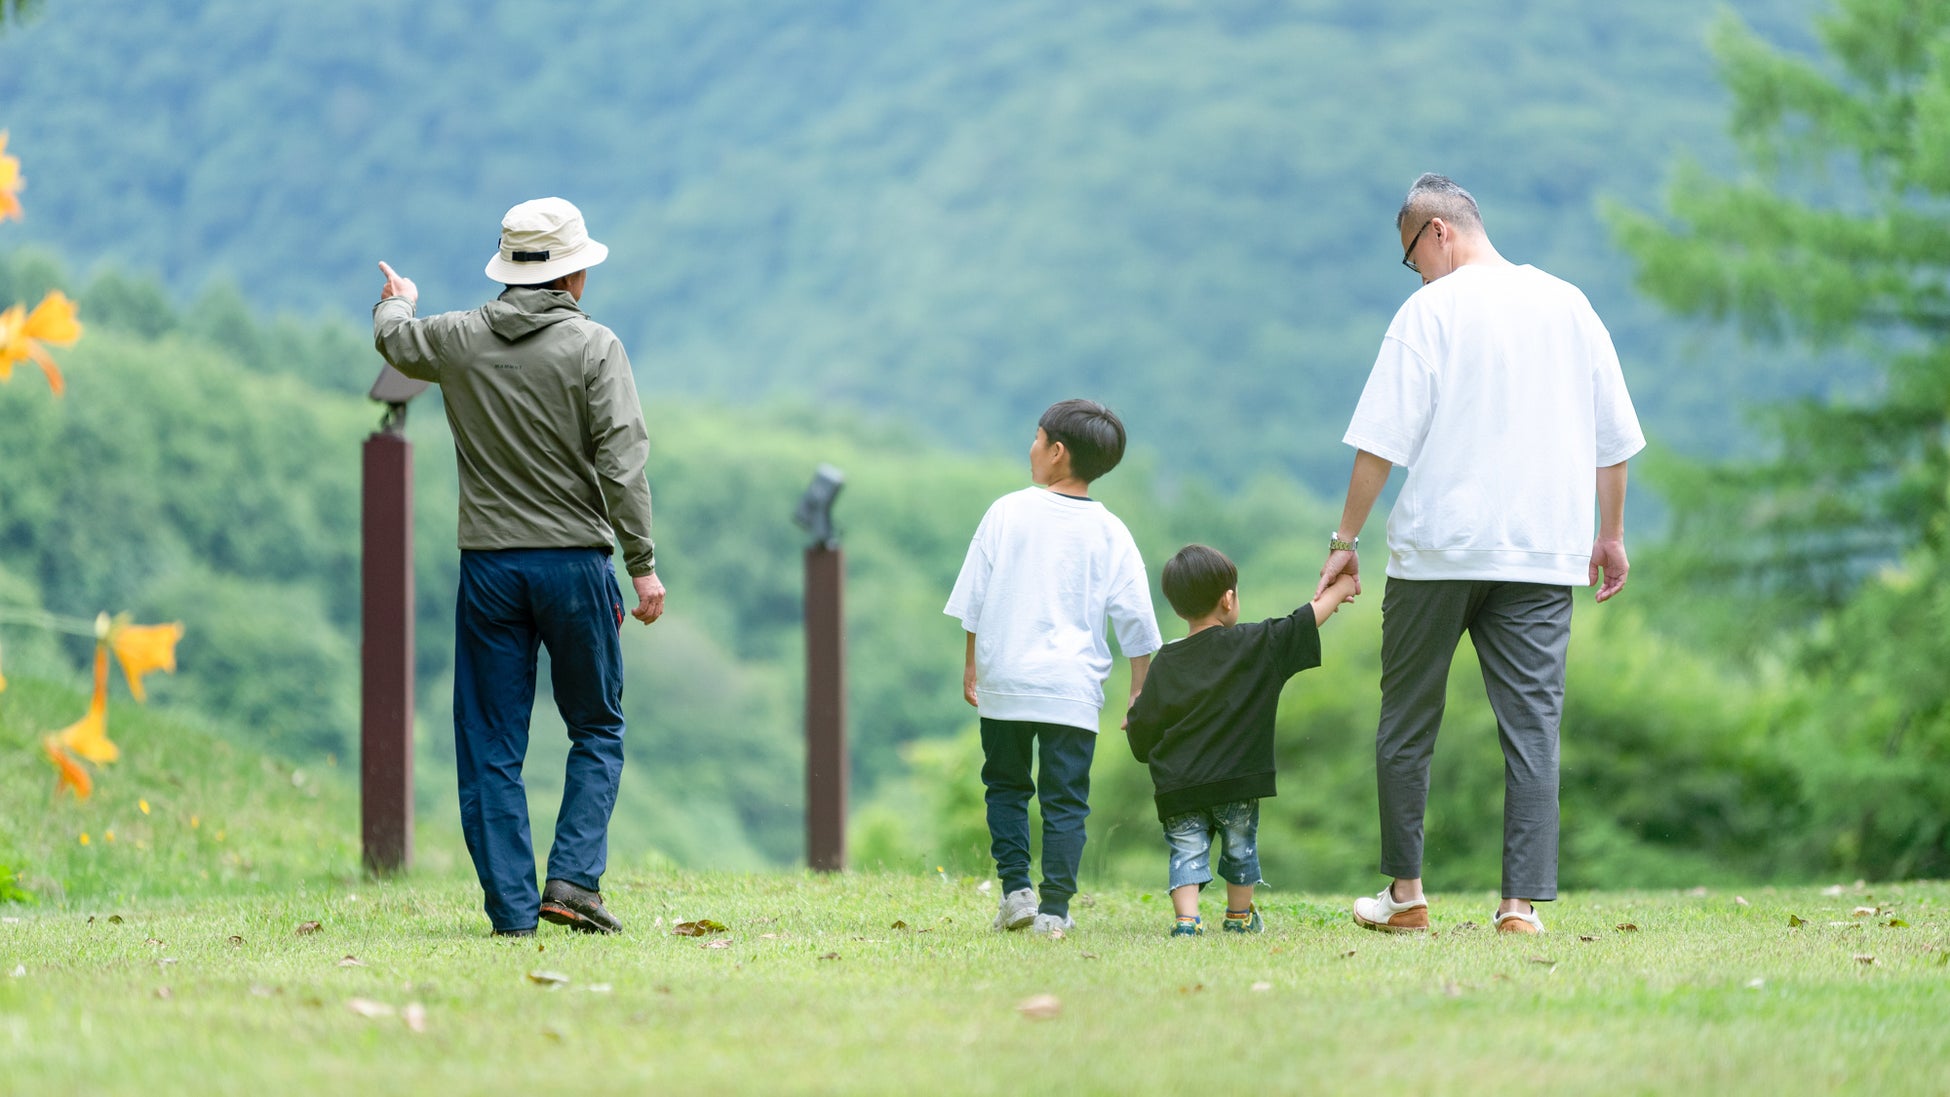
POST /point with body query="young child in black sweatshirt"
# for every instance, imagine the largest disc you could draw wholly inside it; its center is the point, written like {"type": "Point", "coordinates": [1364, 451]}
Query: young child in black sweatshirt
{"type": "Point", "coordinates": [1204, 724]}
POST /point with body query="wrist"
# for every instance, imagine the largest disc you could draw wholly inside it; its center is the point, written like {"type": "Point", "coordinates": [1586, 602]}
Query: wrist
{"type": "Point", "coordinates": [1337, 543]}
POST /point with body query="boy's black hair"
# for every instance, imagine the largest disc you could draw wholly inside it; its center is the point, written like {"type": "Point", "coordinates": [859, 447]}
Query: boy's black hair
{"type": "Point", "coordinates": [1090, 431]}
{"type": "Point", "coordinates": [1196, 578]}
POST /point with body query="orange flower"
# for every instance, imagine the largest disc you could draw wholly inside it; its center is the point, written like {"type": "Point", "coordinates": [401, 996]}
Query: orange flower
{"type": "Point", "coordinates": [9, 182]}
{"type": "Point", "coordinates": [22, 333]}
{"type": "Point", "coordinates": [143, 648]}
{"type": "Point", "coordinates": [88, 736]}
{"type": "Point", "coordinates": [69, 774]}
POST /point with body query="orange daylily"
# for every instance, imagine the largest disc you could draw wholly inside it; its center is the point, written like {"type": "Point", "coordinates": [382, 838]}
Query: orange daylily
{"type": "Point", "coordinates": [70, 774]}
{"type": "Point", "coordinates": [88, 736]}
{"type": "Point", "coordinates": [22, 333]}
{"type": "Point", "coordinates": [143, 648]}
{"type": "Point", "coordinates": [9, 182]}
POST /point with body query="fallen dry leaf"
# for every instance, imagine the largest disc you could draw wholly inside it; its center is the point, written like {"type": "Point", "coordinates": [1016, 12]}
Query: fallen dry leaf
{"type": "Point", "coordinates": [164, 993]}
{"type": "Point", "coordinates": [1262, 985]}
{"type": "Point", "coordinates": [1348, 953]}
{"type": "Point", "coordinates": [1756, 984]}
{"type": "Point", "coordinates": [351, 961]}
{"type": "Point", "coordinates": [1698, 893]}
{"type": "Point", "coordinates": [700, 928]}
{"type": "Point", "coordinates": [1582, 937]}
{"type": "Point", "coordinates": [1086, 955]}
{"type": "Point", "coordinates": [308, 927]}
{"type": "Point", "coordinates": [1626, 927]}
{"type": "Point", "coordinates": [722, 942]}
{"type": "Point", "coordinates": [1543, 961]}
{"type": "Point", "coordinates": [831, 956]}
{"type": "Point", "coordinates": [1193, 989]}
{"type": "Point", "coordinates": [20, 971]}
{"type": "Point", "coordinates": [113, 919]}
{"type": "Point", "coordinates": [1863, 958]}
{"type": "Point", "coordinates": [898, 925]}
{"type": "Point", "coordinates": [1741, 901]}
{"type": "Point", "coordinates": [548, 978]}
{"type": "Point", "coordinates": [235, 940]}
{"type": "Point", "coordinates": [259, 990]}
{"type": "Point", "coordinates": [1040, 1007]}
{"type": "Point", "coordinates": [415, 1016]}
{"type": "Point", "coordinates": [598, 988]}
{"type": "Point", "coordinates": [1057, 934]}
{"type": "Point", "coordinates": [1832, 890]}
{"type": "Point", "coordinates": [156, 941]}
{"type": "Point", "coordinates": [1896, 923]}
{"type": "Point", "coordinates": [366, 1007]}
{"type": "Point", "coordinates": [1796, 921]}
{"type": "Point", "coordinates": [1862, 912]}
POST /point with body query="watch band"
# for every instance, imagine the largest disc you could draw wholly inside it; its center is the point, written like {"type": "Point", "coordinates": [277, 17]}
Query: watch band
{"type": "Point", "coordinates": [1336, 543]}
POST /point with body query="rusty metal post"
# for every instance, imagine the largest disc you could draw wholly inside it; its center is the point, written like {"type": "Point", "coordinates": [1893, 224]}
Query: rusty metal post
{"type": "Point", "coordinates": [825, 709]}
{"type": "Point", "coordinates": [386, 650]}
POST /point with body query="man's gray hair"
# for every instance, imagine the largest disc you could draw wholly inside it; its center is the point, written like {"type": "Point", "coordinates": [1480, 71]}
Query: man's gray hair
{"type": "Point", "coordinates": [1436, 195]}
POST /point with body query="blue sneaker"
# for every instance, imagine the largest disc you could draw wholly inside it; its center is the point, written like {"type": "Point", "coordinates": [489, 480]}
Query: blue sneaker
{"type": "Point", "coordinates": [1188, 929]}
{"type": "Point", "coordinates": [1252, 923]}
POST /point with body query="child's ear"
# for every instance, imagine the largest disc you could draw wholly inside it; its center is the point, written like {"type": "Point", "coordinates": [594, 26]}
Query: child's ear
{"type": "Point", "coordinates": [1229, 602]}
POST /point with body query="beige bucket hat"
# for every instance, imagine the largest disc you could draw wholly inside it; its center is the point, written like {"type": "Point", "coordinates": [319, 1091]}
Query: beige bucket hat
{"type": "Point", "coordinates": [542, 240]}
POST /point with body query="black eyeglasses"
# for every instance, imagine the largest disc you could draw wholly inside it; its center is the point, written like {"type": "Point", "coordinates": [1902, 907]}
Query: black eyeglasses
{"type": "Point", "coordinates": [1406, 261]}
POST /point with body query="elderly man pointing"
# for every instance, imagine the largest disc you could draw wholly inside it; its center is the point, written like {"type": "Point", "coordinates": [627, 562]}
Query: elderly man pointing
{"type": "Point", "coordinates": [1498, 388]}
{"type": "Point", "coordinates": [551, 445]}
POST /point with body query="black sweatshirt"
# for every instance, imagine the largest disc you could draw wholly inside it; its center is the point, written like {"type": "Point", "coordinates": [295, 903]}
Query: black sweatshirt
{"type": "Point", "coordinates": [1204, 723]}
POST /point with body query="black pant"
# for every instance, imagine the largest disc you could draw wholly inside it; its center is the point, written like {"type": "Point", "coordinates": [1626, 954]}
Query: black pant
{"type": "Point", "coordinates": [1062, 790]}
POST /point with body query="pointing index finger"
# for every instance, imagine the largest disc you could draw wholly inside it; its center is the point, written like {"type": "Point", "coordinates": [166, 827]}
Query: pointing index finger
{"type": "Point", "coordinates": [387, 271]}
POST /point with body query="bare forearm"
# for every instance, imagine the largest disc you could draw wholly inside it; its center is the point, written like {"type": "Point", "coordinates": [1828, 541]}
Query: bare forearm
{"type": "Point", "coordinates": [1140, 667]}
{"type": "Point", "coordinates": [1611, 502]}
{"type": "Point", "coordinates": [1364, 486]}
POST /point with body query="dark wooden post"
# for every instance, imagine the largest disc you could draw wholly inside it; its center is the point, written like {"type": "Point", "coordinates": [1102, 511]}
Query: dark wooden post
{"type": "Point", "coordinates": [386, 650]}
{"type": "Point", "coordinates": [825, 710]}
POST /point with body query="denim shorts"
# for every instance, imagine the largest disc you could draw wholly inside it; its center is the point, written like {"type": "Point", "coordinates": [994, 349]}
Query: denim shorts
{"type": "Point", "coordinates": [1190, 837]}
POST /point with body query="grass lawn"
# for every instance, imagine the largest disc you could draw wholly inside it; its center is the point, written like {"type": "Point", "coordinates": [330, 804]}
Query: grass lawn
{"type": "Point", "coordinates": [893, 984]}
{"type": "Point", "coordinates": [165, 954]}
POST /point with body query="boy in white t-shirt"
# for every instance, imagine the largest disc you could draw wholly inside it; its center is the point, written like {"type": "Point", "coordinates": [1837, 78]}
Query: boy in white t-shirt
{"type": "Point", "coordinates": [1046, 568]}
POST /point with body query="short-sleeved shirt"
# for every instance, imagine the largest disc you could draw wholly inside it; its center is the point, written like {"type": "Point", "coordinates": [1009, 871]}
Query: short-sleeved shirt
{"type": "Point", "coordinates": [1204, 723]}
{"type": "Point", "coordinates": [1499, 390]}
{"type": "Point", "coordinates": [1044, 572]}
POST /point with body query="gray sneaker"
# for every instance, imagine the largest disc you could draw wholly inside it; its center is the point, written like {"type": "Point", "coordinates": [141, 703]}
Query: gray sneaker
{"type": "Point", "coordinates": [1018, 909]}
{"type": "Point", "coordinates": [1049, 925]}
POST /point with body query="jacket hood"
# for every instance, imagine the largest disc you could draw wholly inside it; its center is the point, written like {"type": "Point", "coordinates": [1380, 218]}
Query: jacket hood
{"type": "Point", "coordinates": [521, 311]}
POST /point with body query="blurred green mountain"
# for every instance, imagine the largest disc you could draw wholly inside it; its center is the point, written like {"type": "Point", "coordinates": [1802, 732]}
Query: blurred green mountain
{"type": "Point", "coordinates": [947, 215]}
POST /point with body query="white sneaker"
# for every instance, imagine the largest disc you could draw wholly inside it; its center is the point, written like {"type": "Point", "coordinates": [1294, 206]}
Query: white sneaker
{"type": "Point", "coordinates": [1383, 913]}
{"type": "Point", "coordinates": [1018, 909]}
{"type": "Point", "coordinates": [1051, 925]}
{"type": "Point", "coordinates": [1519, 921]}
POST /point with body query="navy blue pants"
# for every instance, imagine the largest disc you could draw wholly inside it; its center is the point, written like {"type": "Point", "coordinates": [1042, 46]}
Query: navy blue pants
{"type": "Point", "coordinates": [511, 600]}
{"type": "Point", "coordinates": [1062, 791]}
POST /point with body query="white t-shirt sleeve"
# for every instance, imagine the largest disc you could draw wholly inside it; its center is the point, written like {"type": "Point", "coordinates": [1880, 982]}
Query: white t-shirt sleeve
{"type": "Point", "coordinates": [1618, 433]}
{"type": "Point", "coordinates": [1129, 608]}
{"type": "Point", "coordinates": [972, 585]}
{"type": "Point", "coordinates": [1398, 402]}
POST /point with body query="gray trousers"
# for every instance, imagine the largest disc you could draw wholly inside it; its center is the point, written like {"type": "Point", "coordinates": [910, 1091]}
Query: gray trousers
{"type": "Point", "coordinates": [1521, 632]}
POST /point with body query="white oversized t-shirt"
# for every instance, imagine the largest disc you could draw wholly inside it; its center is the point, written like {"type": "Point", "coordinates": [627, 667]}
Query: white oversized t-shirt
{"type": "Point", "coordinates": [1499, 390]}
{"type": "Point", "coordinates": [1043, 573]}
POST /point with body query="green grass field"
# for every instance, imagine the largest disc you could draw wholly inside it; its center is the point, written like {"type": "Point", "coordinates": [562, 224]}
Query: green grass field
{"type": "Point", "coordinates": [177, 960]}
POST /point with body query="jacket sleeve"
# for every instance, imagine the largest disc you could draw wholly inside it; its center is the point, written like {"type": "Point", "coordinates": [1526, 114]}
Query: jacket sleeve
{"type": "Point", "coordinates": [417, 348]}
{"type": "Point", "coordinates": [619, 448]}
{"type": "Point", "coordinates": [1145, 725]}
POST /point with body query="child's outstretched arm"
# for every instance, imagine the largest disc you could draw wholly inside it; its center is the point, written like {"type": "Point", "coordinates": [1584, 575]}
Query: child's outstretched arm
{"type": "Point", "coordinates": [1327, 601]}
{"type": "Point", "coordinates": [968, 674]}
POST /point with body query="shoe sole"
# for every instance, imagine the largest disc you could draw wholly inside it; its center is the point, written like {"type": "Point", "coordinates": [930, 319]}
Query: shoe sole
{"type": "Point", "coordinates": [563, 916]}
{"type": "Point", "coordinates": [1384, 927]}
{"type": "Point", "coordinates": [1015, 924]}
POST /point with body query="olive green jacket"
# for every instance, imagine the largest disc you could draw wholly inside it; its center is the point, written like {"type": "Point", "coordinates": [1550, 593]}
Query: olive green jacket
{"type": "Point", "coordinates": [546, 421]}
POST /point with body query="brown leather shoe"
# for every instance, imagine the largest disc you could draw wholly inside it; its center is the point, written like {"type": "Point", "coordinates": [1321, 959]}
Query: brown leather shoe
{"type": "Point", "coordinates": [1519, 921]}
{"type": "Point", "coordinates": [578, 908]}
{"type": "Point", "coordinates": [1385, 913]}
